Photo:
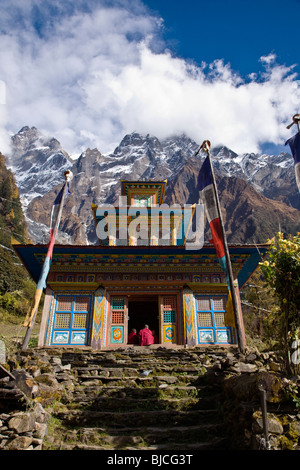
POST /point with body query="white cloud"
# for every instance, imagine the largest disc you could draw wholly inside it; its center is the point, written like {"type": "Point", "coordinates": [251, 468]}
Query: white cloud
{"type": "Point", "coordinates": [90, 74]}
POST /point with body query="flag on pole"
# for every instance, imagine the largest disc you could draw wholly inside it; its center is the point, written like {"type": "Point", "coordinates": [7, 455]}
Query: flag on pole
{"type": "Point", "coordinates": [209, 199]}
{"type": "Point", "coordinates": [56, 210]}
{"type": "Point", "coordinates": [54, 224]}
{"type": "Point", "coordinates": [294, 143]}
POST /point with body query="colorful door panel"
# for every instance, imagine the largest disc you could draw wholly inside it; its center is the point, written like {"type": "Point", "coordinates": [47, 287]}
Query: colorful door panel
{"type": "Point", "coordinates": [169, 314]}
{"type": "Point", "coordinates": [117, 334]}
{"type": "Point", "coordinates": [118, 319]}
{"type": "Point", "coordinates": [71, 320]}
{"type": "Point", "coordinates": [211, 320]}
{"type": "Point", "coordinates": [169, 333]}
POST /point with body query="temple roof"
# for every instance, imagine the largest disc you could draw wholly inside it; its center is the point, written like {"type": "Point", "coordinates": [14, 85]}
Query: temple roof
{"type": "Point", "coordinates": [89, 258]}
{"type": "Point", "coordinates": [153, 192]}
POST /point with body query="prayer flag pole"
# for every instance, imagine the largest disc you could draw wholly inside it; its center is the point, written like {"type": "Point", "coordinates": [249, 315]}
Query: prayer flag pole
{"type": "Point", "coordinates": [294, 143]}
{"type": "Point", "coordinates": [296, 120]}
{"type": "Point", "coordinates": [206, 148]}
{"type": "Point", "coordinates": [54, 224]}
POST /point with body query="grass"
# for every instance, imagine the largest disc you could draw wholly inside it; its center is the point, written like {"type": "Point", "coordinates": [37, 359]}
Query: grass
{"type": "Point", "coordinates": [12, 333]}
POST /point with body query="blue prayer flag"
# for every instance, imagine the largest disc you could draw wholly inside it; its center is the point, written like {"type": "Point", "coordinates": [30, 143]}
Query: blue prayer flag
{"type": "Point", "coordinates": [294, 143]}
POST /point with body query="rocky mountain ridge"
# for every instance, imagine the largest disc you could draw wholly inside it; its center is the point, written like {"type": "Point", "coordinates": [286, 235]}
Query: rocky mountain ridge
{"type": "Point", "coordinates": [251, 187]}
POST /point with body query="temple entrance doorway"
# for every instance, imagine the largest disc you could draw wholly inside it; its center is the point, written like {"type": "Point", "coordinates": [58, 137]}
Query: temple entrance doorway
{"type": "Point", "coordinates": [143, 310]}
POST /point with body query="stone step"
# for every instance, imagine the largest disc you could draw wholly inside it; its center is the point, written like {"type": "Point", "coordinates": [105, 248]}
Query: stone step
{"type": "Point", "coordinates": [139, 361]}
{"type": "Point", "coordinates": [150, 430]}
{"type": "Point", "coordinates": [168, 397]}
{"type": "Point", "coordinates": [112, 406]}
{"type": "Point", "coordinates": [139, 380]}
{"type": "Point", "coordinates": [213, 444]}
{"type": "Point", "coordinates": [77, 418]}
{"type": "Point", "coordinates": [201, 435]}
{"type": "Point", "coordinates": [130, 404]}
{"type": "Point", "coordinates": [140, 392]}
{"type": "Point", "coordinates": [93, 369]}
{"type": "Point", "coordinates": [143, 443]}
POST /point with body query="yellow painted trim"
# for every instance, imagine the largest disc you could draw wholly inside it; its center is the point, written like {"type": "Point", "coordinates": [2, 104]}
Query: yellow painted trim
{"type": "Point", "coordinates": [192, 313]}
{"type": "Point", "coordinates": [184, 320]}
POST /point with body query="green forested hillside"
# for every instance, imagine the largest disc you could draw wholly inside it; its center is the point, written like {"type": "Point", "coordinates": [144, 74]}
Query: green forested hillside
{"type": "Point", "coordinates": [12, 221]}
{"type": "Point", "coordinates": [15, 285]}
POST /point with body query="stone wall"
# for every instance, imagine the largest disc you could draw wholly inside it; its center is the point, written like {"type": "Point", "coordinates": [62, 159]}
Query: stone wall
{"type": "Point", "coordinates": [244, 404]}
{"type": "Point", "coordinates": [23, 430]}
{"type": "Point", "coordinates": [23, 422]}
{"type": "Point", "coordinates": [37, 378]}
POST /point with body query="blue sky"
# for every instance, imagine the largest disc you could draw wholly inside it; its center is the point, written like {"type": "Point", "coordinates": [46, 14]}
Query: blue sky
{"type": "Point", "coordinates": [237, 31]}
{"type": "Point", "coordinates": [90, 71]}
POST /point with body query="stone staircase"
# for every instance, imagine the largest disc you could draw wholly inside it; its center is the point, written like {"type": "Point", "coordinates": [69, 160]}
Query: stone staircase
{"type": "Point", "coordinates": [110, 403]}
{"type": "Point", "coordinates": [193, 399]}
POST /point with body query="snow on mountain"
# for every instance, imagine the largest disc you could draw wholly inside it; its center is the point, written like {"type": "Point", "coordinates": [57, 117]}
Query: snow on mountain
{"type": "Point", "coordinates": [39, 162]}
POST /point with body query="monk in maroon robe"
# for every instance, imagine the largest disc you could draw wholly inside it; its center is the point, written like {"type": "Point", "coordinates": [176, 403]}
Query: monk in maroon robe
{"type": "Point", "coordinates": [146, 336]}
{"type": "Point", "coordinates": [133, 337]}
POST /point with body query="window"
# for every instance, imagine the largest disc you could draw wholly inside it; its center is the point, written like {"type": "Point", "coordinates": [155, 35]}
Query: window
{"type": "Point", "coordinates": [71, 319]}
{"type": "Point", "coordinates": [117, 310]}
{"type": "Point", "coordinates": [117, 317]}
{"type": "Point", "coordinates": [211, 326]}
{"type": "Point", "coordinates": [169, 302]}
{"type": "Point", "coordinates": [169, 316]}
{"type": "Point", "coordinates": [117, 303]}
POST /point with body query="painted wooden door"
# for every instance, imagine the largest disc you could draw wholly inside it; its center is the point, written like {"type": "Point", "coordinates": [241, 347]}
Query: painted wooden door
{"type": "Point", "coordinates": [71, 319]}
{"type": "Point", "coordinates": [169, 319]}
{"type": "Point", "coordinates": [118, 319]}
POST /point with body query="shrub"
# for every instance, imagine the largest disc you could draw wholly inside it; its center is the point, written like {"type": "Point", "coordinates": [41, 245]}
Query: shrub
{"type": "Point", "coordinates": [281, 271]}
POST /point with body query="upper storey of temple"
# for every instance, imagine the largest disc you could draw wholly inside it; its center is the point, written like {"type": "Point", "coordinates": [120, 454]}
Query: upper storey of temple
{"type": "Point", "coordinates": [143, 193]}
{"type": "Point", "coordinates": [142, 218]}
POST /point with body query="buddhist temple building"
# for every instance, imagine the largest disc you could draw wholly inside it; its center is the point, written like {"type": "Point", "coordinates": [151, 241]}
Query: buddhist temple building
{"type": "Point", "coordinates": [96, 294]}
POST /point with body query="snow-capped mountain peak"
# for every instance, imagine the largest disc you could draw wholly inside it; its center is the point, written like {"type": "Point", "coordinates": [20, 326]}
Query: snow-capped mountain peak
{"type": "Point", "coordinates": [39, 162]}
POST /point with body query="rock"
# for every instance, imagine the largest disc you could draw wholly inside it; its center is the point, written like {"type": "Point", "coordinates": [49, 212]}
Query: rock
{"type": "Point", "coordinates": [116, 372]}
{"type": "Point", "coordinates": [274, 425]}
{"type": "Point", "coordinates": [47, 379]}
{"type": "Point", "coordinates": [41, 415]}
{"type": "Point", "coordinates": [294, 429]}
{"type": "Point", "coordinates": [103, 373]}
{"type": "Point", "coordinates": [49, 388]}
{"type": "Point", "coordinates": [37, 443]}
{"type": "Point", "coordinates": [2, 352]}
{"type": "Point", "coordinates": [36, 372]}
{"type": "Point", "coordinates": [22, 422]}
{"type": "Point", "coordinates": [244, 387]}
{"type": "Point", "coordinates": [41, 429]}
{"type": "Point", "coordinates": [273, 386]}
{"type": "Point", "coordinates": [167, 379]}
{"type": "Point", "coordinates": [111, 357]}
{"type": "Point", "coordinates": [251, 357]}
{"type": "Point", "coordinates": [25, 383]}
{"type": "Point", "coordinates": [242, 367]}
{"type": "Point", "coordinates": [274, 366]}
{"type": "Point", "coordinates": [19, 443]}
{"type": "Point", "coordinates": [130, 372]}
{"type": "Point", "coordinates": [56, 361]}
